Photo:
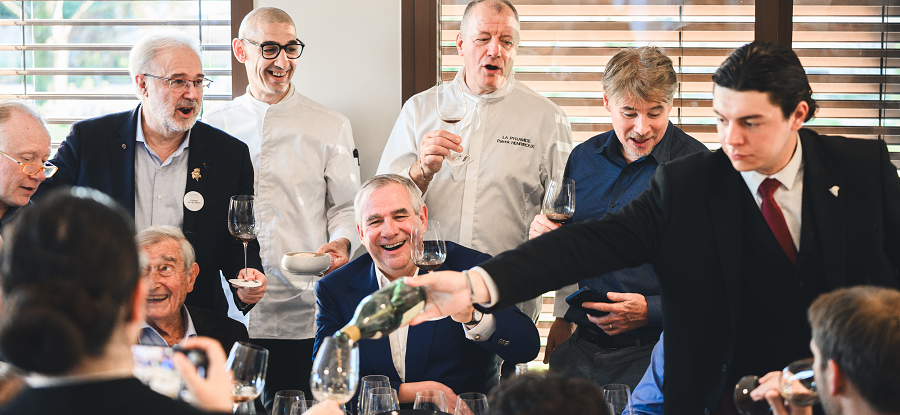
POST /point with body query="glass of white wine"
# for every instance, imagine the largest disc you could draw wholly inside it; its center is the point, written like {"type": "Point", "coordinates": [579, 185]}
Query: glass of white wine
{"type": "Point", "coordinates": [335, 372]}
{"type": "Point", "coordinates": [451, 107]}
{"type": "Point", "coordinates": [248, 363]}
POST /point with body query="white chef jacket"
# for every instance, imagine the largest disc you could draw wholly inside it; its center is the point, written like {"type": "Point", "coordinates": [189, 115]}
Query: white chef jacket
{"type": "Point", "coordinates": [306, 179]}
{"type": "Point", "coordinates": [517, 138]}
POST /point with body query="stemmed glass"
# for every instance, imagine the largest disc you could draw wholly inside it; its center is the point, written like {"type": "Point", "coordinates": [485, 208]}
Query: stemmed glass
{"type": "Point", "coordinates": [285, 400]}
{"type": "Point", "coordinates": [451, 107]}
{"type": "Point", "coordinates": [471, 403]}
{"type": "Point", "coordinates": [796, 384]}
{"type": "Point", "coordinates": [559, 204]}
{"type": "Point", "coordinates": [368, 383]}
{"type": "Point", "coordinates": [335, 371]}
{"type": "Point", "coordinates": [618, 398]}
{"type": "Point", "coordinates": [247, 363]}
{"type": "Point", "coordinates": [242, 221]}
{"type": "Point", "coordinates": [432, 400]}
{"type": "Point", "coordinates": [381, 400]}
{"type": "Point", "coordinates": [428, 248]}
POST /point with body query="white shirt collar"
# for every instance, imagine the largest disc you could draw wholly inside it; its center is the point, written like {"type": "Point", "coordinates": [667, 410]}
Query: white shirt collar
{"type": "Point", "coordinates": [787, 175]}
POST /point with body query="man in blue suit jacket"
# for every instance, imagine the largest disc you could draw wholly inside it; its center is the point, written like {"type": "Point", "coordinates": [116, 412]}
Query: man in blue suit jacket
{"type": "Point", "coordinates": [167, 169]}
{"type": "Point", "coordinates": [454, 355]}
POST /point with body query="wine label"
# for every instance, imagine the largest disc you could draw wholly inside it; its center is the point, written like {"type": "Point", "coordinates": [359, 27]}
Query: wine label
{"type": "Point", "coordinates": [193, 201]}
{"type": "Point", "coordinates": [412, 313]}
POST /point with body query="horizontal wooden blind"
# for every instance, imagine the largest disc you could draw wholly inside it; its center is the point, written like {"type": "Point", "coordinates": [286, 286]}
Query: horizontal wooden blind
{"type": "Point", "coordinates": [70, 58]}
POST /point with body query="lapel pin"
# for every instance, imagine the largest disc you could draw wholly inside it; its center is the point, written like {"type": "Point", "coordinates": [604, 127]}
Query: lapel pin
{"type": "Point", "coordinates": [834, 190]}
{"type": "Point", "coordinates": [124, 146]}
{"type": "Point", "coordinates": [196, 175]}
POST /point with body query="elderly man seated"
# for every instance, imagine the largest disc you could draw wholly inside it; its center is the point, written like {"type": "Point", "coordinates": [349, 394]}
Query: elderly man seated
{"type": "Point", "coordinates": [172, 271]}
{"type": "Point", "coordinates": [454, 355]}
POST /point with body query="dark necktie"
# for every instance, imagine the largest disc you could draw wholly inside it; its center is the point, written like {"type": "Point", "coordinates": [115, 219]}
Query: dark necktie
{"type": "Point", "coordinates": [775, 218]}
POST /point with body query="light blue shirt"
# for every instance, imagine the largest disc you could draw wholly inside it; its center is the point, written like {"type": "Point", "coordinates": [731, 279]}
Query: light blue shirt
{"type": "Point", "coordinates": [647, 398]}
{"type": "Point", "coordinates": [159, 185]}
{"type": "Point", "coordinates": [150, 337]}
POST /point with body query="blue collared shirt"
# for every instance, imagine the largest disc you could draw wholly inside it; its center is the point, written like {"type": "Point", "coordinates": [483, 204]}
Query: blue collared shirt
{"type": "Point", "coordinates": [150, 337]}
{"type": "Point", "coordinates": [648, 394]}
{"type": "Point", "coordinates": [159, 185]}
{"type": "Point", "coordinates": [604, 183]}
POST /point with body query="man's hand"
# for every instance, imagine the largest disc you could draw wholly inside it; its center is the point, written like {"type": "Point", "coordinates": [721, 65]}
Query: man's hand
{"type": "Point", "coordinates": [407, 392]}
{"type": "Point", "coordinates": [338, 252]}
{"type": "Point", "coordinates": [213, 393]}
{"type": "Point", "coordinates": [626, 312]}
{"type": "Point", "coordinates": [448, 293]}
{"type": "Point", "coordinates": [252, 295]}
{"type": "Point", "coordinates": [435, 146]}
{"type": "Point", "coordinates": [769, 389]}
{"type": "Point", "coordinates": [559, 332]}
{"type": "Point", "coordinates": [541, 225]}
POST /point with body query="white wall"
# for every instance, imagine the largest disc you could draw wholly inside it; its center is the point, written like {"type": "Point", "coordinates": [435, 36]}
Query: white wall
{"type": "Point", "coordinates": [341, 35]}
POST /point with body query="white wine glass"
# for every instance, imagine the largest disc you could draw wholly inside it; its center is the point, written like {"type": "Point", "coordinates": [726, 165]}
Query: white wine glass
{"type": "Point", "coordinates": [248, 363]}
{"type": "Point", "coordinates": [559, 203]}
{"type": "Point", "coordinates": [242, 221]}
{"type": "Point", "coordinates": [471, 403]}
{"type": "Point", "coordinates": [429, 251]}
{"type": "Point", "coordinates": [381, 400]}
{"type": "Point", "coordinates": [451, 107]}
{"type": "Point", "coordinates": [618, 398]}
{"type": "Point", "coordinates": [368, 383]}
{"type": "Point", "coordinates": [335, 372]}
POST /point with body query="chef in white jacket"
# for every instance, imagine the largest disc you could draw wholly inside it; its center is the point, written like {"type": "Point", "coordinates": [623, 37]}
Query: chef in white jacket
{"type": "Point", "coordinates": [306, 178]}
{"type": "Point", "coordinates": [516, 140]}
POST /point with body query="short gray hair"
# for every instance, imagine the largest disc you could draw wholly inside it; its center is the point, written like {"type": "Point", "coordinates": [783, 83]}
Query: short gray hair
{"type": "Point", "coordinates": [497, 5]}
{"type": "Point", "coordinates": [144, 52]}
{"type": "Point", "coordinates": [158, 234]}
{"type": "Point", "coordinates": [261, 16]}
{"type": "Point", "coordinates": [9, 107]}
{"type": "Point", "coordinates": [381, 181]}
{"type": "Point", "coordinates": [645, 74]}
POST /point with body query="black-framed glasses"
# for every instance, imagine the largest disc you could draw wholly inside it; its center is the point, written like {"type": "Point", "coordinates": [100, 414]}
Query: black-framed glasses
{"type": "Point", "coordinates": [32, 169]}
{"type": "Point", "coordinates": [182, 84]}
{"type": "Point", "coordinates": [271, 50]}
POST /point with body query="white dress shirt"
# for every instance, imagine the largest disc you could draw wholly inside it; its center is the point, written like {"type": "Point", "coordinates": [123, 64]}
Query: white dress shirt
{"type": "Point", "coordinates": [789, 195]}
{"type": "Point", "coordinates": [306, 178]}
{"type": "Point", "coordinates": [159, 184]}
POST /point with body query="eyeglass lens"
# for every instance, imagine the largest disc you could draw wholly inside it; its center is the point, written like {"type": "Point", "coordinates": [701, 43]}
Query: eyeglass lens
{"type": "Point", "coordinates": [271, 51]}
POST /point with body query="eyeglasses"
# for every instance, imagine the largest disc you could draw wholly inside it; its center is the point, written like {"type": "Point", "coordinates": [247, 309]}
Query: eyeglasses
{"type": "Point", "coordinates": [272, 50]}
{"type": "Point", "coordinates": [182, 84]}
{"type": "Point", "coordinates": [32, 169]}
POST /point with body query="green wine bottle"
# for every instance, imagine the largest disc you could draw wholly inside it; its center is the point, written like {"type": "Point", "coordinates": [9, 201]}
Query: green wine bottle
{"type": "Point", "coordinates": [384, 311]}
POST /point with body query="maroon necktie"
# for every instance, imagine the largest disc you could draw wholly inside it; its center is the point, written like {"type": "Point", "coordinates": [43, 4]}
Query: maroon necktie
{"type": "Point", "coordinates": [775, 218]}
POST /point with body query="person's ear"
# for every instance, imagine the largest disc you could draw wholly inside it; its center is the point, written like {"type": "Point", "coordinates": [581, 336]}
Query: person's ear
{"type": "Point", "coordinates": [837, 381]}
{"type": "Point", "coordinates": [192, 276]}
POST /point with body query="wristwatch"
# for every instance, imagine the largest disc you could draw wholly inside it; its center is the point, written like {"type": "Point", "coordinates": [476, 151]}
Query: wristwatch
{"type": "Point", "coordinates": [476, 318]}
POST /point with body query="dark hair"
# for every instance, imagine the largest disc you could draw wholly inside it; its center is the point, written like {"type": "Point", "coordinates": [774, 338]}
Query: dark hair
{"type": "Point", "coordinates": [67, 268]}
{"type": "Point", "coordinates": [770, 68]}
{"type": "Point", "coordinates": [551, 394]}
{"type": "Point", "coordinates": [859, 328]}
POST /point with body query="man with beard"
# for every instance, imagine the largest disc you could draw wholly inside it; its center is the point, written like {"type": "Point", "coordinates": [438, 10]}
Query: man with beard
{"type": "Point", "coordinates": [610, 170]}
{"type": "Point", "coordinates": [167, 169]}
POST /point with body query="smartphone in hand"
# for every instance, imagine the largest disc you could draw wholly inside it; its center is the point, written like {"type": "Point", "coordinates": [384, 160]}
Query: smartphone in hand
{"type": "Point", "coordinates": [588, 295]}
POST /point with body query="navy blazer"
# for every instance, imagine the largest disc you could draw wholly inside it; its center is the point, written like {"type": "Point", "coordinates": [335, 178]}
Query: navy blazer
{"type": "Point", "coordinates": [436, 350]}
{"type": "Point", "coordinates": [99, 153]}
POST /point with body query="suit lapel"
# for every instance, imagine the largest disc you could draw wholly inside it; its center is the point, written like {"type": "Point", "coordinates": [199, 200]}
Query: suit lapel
{"type": "Point", "coordinates": [121, 150]}
{"type": "Point", "coordinates": [827, 209]}
{"type": "Point", "coordinates": [199, 172]}
{"type": "Point", "coordinates": [378, 352]}
{"type": "Point", "coordinates": [418, 347]}
{"type": "Point", "coordinates": [726, 213]}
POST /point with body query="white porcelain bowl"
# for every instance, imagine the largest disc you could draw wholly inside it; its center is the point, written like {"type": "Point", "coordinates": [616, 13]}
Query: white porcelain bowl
{"type": "Point", "coordinates": [305, 263]}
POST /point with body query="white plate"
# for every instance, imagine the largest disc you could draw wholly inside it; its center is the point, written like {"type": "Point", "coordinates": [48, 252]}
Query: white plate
{"type": "Point", "coordinates": [237, 282]}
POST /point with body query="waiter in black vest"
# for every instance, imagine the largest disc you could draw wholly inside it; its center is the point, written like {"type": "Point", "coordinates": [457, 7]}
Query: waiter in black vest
{"type": "Point", "coordinates": [742, 240]}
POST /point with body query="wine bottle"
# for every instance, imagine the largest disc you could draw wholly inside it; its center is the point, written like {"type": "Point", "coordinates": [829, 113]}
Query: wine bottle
{"type": "Point", "coordinates": [384, 311]}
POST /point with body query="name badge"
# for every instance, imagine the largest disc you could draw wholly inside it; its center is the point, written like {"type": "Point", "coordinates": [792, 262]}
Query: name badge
{"type": "Point", "coordinates": [193, 201]}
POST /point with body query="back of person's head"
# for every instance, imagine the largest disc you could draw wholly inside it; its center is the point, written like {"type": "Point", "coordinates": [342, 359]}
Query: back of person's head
{"type": "Point", "coordinates": [68, 267]}
{"type": "Point", "coordinates": [644, 74]}
{"type": "Point", "coordinates": [543, 395]}
{"type": "Point", "coordinates": [770, 68]}
{"type": "Point", "coordinates": [859, 328]}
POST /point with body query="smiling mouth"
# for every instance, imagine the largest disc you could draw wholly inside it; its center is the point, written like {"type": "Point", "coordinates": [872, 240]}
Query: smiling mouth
{"type": "Point", "coordinates": [278, 74]}
{"type": "Point", "coordinates": [157, 298]}
{"type": "Point", "coordinates": [393, 247]}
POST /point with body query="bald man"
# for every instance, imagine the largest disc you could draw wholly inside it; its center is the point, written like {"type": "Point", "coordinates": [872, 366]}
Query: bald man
{"type": "Point", "coordinates": [306, 178]}
{"type": "Point", "coordinates": [24, 150]}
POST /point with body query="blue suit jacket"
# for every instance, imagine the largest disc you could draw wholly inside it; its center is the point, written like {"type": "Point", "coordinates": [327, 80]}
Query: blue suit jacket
{"type": "Point", "coordinates": [99, 153]}
{"type": "Point", "coordinates": [436, 350]}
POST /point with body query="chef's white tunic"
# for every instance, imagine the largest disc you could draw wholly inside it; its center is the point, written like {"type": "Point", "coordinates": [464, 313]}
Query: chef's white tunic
{"type": "Point", "coordinates": [517, 138]}
{"type": "Point", "coordinates": [306, 178]}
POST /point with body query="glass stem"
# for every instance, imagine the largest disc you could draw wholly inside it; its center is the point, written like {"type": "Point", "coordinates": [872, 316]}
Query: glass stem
{"type": "Point", "coordinates": [245, 260]}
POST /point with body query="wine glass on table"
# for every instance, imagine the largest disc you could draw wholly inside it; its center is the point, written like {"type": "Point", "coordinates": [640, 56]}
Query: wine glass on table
{"type": "Point", "coordinates": [429, 251]}
{"type": "Point", "coordinates": [431, 400]}
{"type": "Point", "coordinates": [451, 107]}
{"type": "Point", "coordinates": [335, 371]}
{"type": "Point", "coordinates": [368, 383]}
{"type": "Point", "coordinates": [796, 384]}
{"type": "Point", "coordinates": [242, 222]}
{"type": "Point", "coordinates": [248, 363]}
{"type": "Point", "coordinates": [559, 204]}
{"type": "Point", "coordinates": [381, 400]}
{"type": "Point", "coordinates": [618, 398]}
{"type": "Point", "coordinates": [471, 403]}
